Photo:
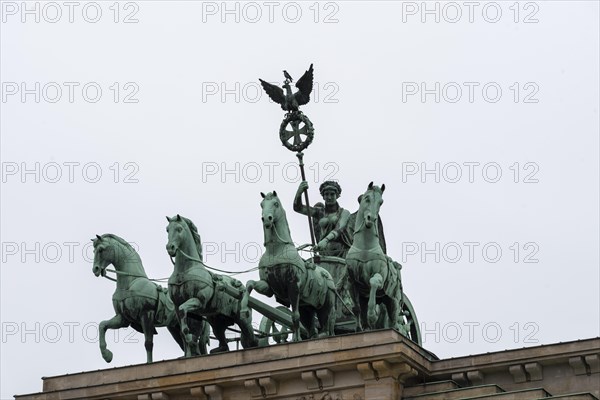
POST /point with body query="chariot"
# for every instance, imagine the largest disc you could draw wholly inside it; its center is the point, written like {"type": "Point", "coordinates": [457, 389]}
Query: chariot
{"type": "Point", "coordinates": [276, 323]}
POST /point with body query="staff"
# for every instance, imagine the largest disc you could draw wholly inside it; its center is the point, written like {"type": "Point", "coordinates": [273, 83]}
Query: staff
{"type": "Point", "coordinates": [302, 131]}
{"type": "Point", "coordinates": [300, 156]}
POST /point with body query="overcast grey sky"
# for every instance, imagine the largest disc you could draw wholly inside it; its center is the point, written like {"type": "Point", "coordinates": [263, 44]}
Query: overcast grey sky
{"type": "Point", "coordinates": [481, 119]}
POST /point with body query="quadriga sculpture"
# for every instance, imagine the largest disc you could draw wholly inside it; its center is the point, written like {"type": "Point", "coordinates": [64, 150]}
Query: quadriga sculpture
{"type": "Point", "coordinates": [137, 301]}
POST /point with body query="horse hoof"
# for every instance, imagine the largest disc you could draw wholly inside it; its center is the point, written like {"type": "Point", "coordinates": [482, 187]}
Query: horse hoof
{"type": "Point", "coordinates": [220, 349]}
{"type": "Point", "coordinates": [107, 355]}
{"type": "Point", "coordinates": [250, 344]}
{"type": "Point", "coordinates": [193, 347]}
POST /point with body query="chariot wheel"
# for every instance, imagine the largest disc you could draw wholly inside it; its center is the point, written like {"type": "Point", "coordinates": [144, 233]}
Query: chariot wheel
{"type": "Point", "coordinates": [410, 321]}
{"type": "Point", "coordinates": [408, 325]}
{"type": "Point", "coordinates": [274, 331]}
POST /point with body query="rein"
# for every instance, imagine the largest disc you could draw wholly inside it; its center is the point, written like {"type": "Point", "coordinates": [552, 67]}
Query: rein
{"type": "Point", "coordinates": [209, 267]}
{"type": "Point", "coordinates": [363, 224]}
{"type": "Point", "coordinates": [129, 274]}
{"type": "Point", "coordinates": [278, 236]}
{"type": "Point", "coordinates": [360, 228]}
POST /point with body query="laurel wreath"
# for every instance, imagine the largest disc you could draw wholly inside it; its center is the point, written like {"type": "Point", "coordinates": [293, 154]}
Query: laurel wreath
{"type": "Point", "coordinates": [310, 131]}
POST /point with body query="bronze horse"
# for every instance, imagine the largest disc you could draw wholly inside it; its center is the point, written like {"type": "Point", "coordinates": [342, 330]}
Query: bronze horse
{"type": "Point", "coordinates": [374, 277]}
{"type": "Point", "coordinates": [308, 288]}
{"type": "Point", "coordinates": [137, 301]}
{"type": "Point", "coordinates": [196, 291]}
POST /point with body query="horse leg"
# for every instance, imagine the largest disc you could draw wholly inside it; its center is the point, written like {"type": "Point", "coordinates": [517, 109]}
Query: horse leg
{"type": "Point", "coordinates": [183, 310]}
{"type": "Point", "coordinates": [399, 323]}
{"type": "Point", "coordinates": [244, 320]}
{"type": "Point", "coordinates": [248, 339]}
{"type": "Point", "coordinates": [115, 322]}
{"type": "Point", "coordinates": [327, 315]}
{"type": "Point", "coordinates": [362, 315]}
{"type": "Point", "coordinates": [307, 318]}
{"type": "Point", "coordinates": [200, 334]}
{"type": "Point", "coordinates": [244, 310]}
{"type": "Point", "coordinates": [355, 295]}
{"type": "Point", "coordinates": [294, 296]}
{"type": "Point", "coordinates": [204, 338]}
{"type": "Point", "coordinates": [375, 283]}
{"type": "Point", "coordinates": [331, 314]}
{"type": "Point", "coordinates": [393, 308]}
{"type": "Point", "coordinates": [218, 327]}
{"type": "Point", "coordinates": [148, 328]}
{"type": "Point", "coordinates": [175, 331]}
{"type": "Point", "coordinates": [174, 328]}
{"type": "Point", "coordinates": [261, 287]}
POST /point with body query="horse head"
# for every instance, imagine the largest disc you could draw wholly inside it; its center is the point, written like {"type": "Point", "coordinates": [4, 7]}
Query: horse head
{"type": "Point", "coordinates": [183, 236]}
{"type": "Point", "coordinates": [271, 209]}
{"type": "Point", "coordinates": [104, 255]}
{"type": "Point", "coordinates": [112, 249]}
{"type": "Point", "coordinates": [370, 203]}
{"type": "Point", "coordinates": [176, 231]}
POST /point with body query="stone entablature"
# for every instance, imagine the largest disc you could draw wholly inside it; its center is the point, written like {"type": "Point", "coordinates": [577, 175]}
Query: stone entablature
{"type": "Point", "coordinates": [373, 365]}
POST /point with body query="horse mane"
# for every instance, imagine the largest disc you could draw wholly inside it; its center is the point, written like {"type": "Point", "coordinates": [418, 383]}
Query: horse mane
{"type": "Point", "coordinates": [120, 240]}
{"type": "Point", "coordinates": [273, 195]}
{"type": "Point", "coordinates": [351, 226]}
{"type": "Point", "coordinates": [124, 243]}
{"type": "Point", "coordinates": [195, 235]}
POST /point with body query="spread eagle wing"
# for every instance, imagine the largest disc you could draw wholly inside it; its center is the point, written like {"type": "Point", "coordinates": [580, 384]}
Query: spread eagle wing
{"type": "Point", "coordinates": [274, 92]}
{"type": "Point", "coordinates": [305, 86]}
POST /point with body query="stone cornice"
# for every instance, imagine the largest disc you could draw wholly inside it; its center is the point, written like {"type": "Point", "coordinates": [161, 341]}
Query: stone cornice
{"type": "Point", "coordinates": [374, 364]}
{"type": "Point", "coordinates": [554, 353]}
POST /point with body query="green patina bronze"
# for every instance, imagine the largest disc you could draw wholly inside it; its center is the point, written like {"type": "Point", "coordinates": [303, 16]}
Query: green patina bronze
{"type": "Point", "coordinates": [137, 301]}
{"type": "Point", "coordinates": [306, 287]}
{"type": "Point", "coordinates": [333, 241]}
{"type": "Point", "coordinates": [332, 231]}
{"type": "Point", "coordinates": [302, 130]}
{"type": "Point", "coordinates": [329, 219]}
{"type": "Point", "coordinates": [196, 292]}
{"type": "Point", "coordinates": [348, 284]}
{"type": "Point", "coordinates": [375, 277]}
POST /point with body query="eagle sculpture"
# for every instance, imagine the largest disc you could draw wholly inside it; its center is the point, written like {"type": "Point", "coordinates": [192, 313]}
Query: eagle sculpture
{"type": "Point", "coordinates": [291, 101]}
